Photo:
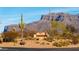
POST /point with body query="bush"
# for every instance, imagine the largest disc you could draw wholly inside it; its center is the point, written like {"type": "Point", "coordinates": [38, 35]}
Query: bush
{"type": "Point", "coordinates": [37, 42]}
{"type": "Point", "coordinates": [67, 35]}
{"type": "Point", "coordinates": [9, 36]}
{"type": "Point", "coordinates": [29, 38]}
{"type": "Point", "coordinates": [75, 40]}
{"type": "Point", "coordinates": [42, 43]}
{"type": "Point", "coordinates": [8, 40]}
{"type": "Point", "coordinates": [47, 43]}
{"type": "Point", "coordinates": [49, 39]}
{"type": "Point", "coordinates": [57, 44]}
{"type": "Point", "coordinates": [0, 41]}
{"type": "Point", "coordinates": [22, 42]}
{"type": "Point", "coordinates": [61, 43]}
{"type": "Point", "coordinates": [15, 42]}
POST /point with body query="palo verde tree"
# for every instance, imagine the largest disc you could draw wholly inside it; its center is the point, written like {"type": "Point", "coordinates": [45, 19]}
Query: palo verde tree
{"type": "Point", "coordinates": [57, 27]}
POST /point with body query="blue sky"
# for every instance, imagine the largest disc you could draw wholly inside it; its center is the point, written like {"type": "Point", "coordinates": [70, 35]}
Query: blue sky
{"type": "Point", "coordinates": [11, 15]}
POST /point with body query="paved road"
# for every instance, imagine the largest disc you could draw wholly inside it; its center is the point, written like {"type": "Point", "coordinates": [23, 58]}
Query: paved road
{"type": "Point", "coordinates": [39, 49]}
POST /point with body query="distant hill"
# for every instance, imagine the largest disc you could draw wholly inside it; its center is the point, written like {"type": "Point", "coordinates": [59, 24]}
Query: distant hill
{"type": "Point", "coordinates": [44, 23]}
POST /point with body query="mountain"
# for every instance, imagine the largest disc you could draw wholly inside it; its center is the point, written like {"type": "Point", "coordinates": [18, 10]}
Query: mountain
{"type": "Point", "coordinates": [44, 23]}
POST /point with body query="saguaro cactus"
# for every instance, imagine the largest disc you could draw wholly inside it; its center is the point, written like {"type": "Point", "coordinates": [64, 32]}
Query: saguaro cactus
{"type": "Point", "coordinates": [22, 27]}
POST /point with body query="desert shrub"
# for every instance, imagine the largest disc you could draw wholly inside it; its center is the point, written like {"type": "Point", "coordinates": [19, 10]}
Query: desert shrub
{"type": "Point", "coordinates": [49, 39]}
{"type": "Point", "coordinates": [71, 28]}
{"type": "Point", "coordinates": [8, 40]}
{"type": "Point", "coordinates": [15, 42]}
{"type": "Point", "coordinates": [9, 36]}
{"type": "Point", "coordinates": [45, 38]}
{"type": "Point", "coordinates": [67, 35]}
{"type": "Point", "coordinates": [61, 43]}
{"type": "Point", "coordinates": [22, 42]}
{"type": "Point", "coordinates": [75, 40]}
{"type": "Point", "coordinates": [70, 35]}
{"type": "Point", "coordinates": [29, 33]}
{"type": "Point", "coordinates": [37, 42]}
{"type": "Point", "coordinates": [37, 39]}
{"type": "Point", "coordinates": [47, 43]}
{"type": "Point", "coordinates": [57, 44]}
{"type": "Point", "coordinates": [29, 38]}
{"type": "Point", "coordinates": [42, 43]}
{"type": "Point", "coordinates": [0, 41]}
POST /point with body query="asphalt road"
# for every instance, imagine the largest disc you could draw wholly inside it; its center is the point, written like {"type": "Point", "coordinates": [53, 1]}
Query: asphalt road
{"type": "Point", "coordinates": [38, 49]}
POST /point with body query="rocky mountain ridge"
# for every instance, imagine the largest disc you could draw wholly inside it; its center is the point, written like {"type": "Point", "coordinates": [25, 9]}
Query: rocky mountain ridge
{"type": "Point", "coordinates": [44, 23]}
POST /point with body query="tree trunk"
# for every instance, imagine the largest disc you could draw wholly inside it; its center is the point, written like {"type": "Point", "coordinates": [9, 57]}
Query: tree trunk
{"type": "Point", "coordinates": [22, 35]}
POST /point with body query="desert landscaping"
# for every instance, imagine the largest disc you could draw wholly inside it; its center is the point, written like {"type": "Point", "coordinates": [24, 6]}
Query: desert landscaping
{"type": "Point", "coordinates": [46, 33]}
